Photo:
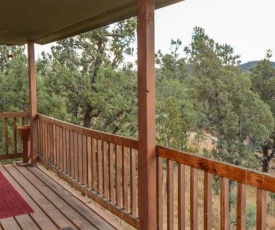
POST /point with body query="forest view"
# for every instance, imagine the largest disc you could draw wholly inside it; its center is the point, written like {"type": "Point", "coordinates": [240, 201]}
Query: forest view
{"type": "Point", "coordinates": [204, 93]}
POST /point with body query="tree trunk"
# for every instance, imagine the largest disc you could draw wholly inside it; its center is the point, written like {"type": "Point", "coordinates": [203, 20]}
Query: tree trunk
{"type": "Point", "coordinates": [265, 158]}
{"type": "Point", "coordinates": [88, 116]}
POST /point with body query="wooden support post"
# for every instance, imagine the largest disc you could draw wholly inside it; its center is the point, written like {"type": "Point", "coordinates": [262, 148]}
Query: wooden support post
{"type": "Point", "coordinates": [25, 137]}
{"type": "Point", "coordinates": [33, 103]}
{"type": "Point", "coordinates": [147, 182]}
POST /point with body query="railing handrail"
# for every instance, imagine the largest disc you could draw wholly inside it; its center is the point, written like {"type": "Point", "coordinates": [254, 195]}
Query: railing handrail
{"type": "Point", "coordinates": [14, 114]}
{"type": "Point", "coordinates": [232, 172]}
{"type": "Point", "coordinates": [116, 139]}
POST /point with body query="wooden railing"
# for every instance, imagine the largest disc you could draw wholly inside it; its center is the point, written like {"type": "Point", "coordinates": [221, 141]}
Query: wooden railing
{"type": "Point", "coordinates": [10, 142]}
{"type": "Point", "coordinates": [182, 175]}
{"type": "Point", "coordinates": [104, 167]}
{"type": "Point", "coordinates": [100, 165]}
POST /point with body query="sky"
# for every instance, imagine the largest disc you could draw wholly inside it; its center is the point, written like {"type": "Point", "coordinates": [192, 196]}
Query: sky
{"type": "Point", "coordinates": [246, 25]}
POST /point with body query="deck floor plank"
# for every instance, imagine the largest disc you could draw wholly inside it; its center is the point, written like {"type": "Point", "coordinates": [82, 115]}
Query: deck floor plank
{"type": "Point", "coordinates": [25, 222]}
{"type": "Point", "coordinates": [55, 205]}
{"type": "Point", "coordinates": [54, 214]}
{"type": "Point", "coordinates": [78, 221]}
{"type": "Point", "coordinates": [39, 216]}
{"type": "Point", "coordinates": [9, 223]}
{"type": "Point", "coordinates": [86, 212]}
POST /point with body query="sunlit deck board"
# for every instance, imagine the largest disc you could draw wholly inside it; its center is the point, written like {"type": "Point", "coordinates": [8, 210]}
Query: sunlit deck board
{"type": "Point", "coordinates": [54, 206]}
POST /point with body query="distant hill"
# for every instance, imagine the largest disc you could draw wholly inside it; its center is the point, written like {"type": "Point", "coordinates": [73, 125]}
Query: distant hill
{"type": "Point", "coordinates": [248, 65]}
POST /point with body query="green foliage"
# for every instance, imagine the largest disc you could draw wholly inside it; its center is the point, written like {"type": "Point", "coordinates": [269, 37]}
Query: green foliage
{"type": "Point", "coordinates": [263, 80]}
{"type": "Point", "coordinates": [86, 78]}
{"type": "Point", "coordinates": [231, 111]}
{"type": "Point", "coordinates": [175, 114]}
{"type": "Point", "coordinates": [14, 82]}
{"type": "Point", "coordinates": [250, 217]}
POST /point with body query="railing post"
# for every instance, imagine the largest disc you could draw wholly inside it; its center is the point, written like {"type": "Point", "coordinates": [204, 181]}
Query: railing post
{"type": "Point", "coordinates": [25, 137]}
{"type": "Point", "coordinates": [147, 160]}
{"type": "Point", "coordinates": [33, 104]}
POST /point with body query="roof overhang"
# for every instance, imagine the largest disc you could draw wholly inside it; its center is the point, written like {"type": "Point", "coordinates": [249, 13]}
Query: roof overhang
{"type": "Point", "coordinates": [45, 21]}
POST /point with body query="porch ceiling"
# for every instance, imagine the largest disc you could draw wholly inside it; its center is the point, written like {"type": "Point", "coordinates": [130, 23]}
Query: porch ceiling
{"type": "Point", "coordinates": [51, 20]}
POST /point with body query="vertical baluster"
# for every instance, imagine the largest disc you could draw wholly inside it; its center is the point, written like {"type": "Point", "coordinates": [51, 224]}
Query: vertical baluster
{"type": "Point", "coordinates": [45, 139]}
{"type": "Point", "coordinates": [261, 209]}
{"type": "Point", "coordinates": [14, 135]}
{"type": "Point", "coordinates": [72, 162]}
{"type": "Point", "coordinates": [76, 157]}
{"type": "Point", "coordinates": [80, 158]}
{"type": "Point", "coordinates": [118, 176]}
{"type": "Point", "coordinates": [111, 172]}
{"type": "Point", "coordinates": [56, 146]}
{"type": "Point", "coordinates": [160, 192]}
{"type": "Point", "coordinates": [224, 204]}
{"type": "Point", "coordinates": [68, 150]}
{"type": "Point", "coordinates": [64, 153]}
{"type": "Point", "coordinates": [105, 169]}
{"type": "Point", "coordinates": [125, 172]}
{"type": "Point", "coordinates": [42, 133]}
{"type": "Point", "coordinates": [193, 198]}
{"type": "Point", "coordinates": [94, 165]}
{"type": "Point", "coordinates": [170, 195]}
{"type": "Point", "coordinates": [181, 197]}
{"type": "Point", "coordinates": [39, 139]}
{"type": "Point", "coordinates": [23, 121]}
{"type": "Point", "coordinates": [89, 162]}
{"type": "Point", "coordinates": [99, 164]}
{"type": "Point", "coordinates": [61, 150]}
{"type": "Point", "coordinates": [85, 160]}
{"type": "Point", "coordinates": [47, 142]}
{"type": "Point", "coordinates": [52, 142]}
{"type": "Point", "coordinates": [133, 182]}
{"type": "Point", "coordinates": [241, 207]}
{"type": "Point", "coordinates": [6, 136]}
{"type": "Point", "coordinates": [208, 179]}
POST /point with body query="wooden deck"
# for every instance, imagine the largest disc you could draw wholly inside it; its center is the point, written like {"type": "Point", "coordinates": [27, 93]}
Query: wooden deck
{"type": "Point", "coordinates": [55, 204]}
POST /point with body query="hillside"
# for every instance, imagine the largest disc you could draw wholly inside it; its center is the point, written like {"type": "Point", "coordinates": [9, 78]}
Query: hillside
{"type": "Point", "coordinates": [248, 65]}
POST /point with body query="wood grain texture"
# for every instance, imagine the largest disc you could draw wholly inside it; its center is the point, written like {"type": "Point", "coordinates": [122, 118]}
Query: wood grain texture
{"type": "Point", "coordinates": [170, 195]}
{"type": "Point", "coordinates": [193, 198]}
{"type": "Point", "coordinates": [261, 209]}
{"type": "Point", "coordinates": [147, 159]}
{"type": "Point", "coordinates": [6, 136]}
{"type": "Point", "coordinates": [127, 217]}
{"type": "Point", "coordinates": [181, 197]}
{"type": "Point", "coordinates": [32, 104]}
{"type": "Point", "coordinates": [241, 206]}
{"type": "Point", "coordinates": [111, 173]}
{"type": "Point", "coordinates": [110, 138]}
{"type": "Point", "coordinates": [224, 209]}
{"type": "Point", "coordinates": [208, 180]}
{"type": "Point", "coordinates": [242, 175]}
{"type": "Point", "coordinates": [133, 187]}
{"type": "Point", "coordinates": [14, 114]}
{"type": "Point", "coordinates": [160, 196]}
